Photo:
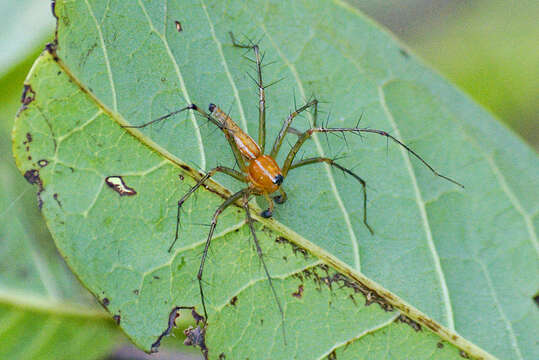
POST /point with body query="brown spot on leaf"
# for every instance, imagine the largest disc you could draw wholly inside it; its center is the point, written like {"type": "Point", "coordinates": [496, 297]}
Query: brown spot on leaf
{"type": "Point", "coordinates": [233, 301]}
{"type": "Point", "coordinates": [299, 293]}
{"type": "Point", "coordinates": [28, 95]}
{"type": "Point", "coordinates": [117, 184]}
{"type": "Point", "coordinates": [464, 354]}
{"type": "Point", "coordinates": [178, 26]}
{"type": "Point", "coordinates": [32, 176]}
{"type": "Point", "coordinates": [406, 320]}
{"type": "Point", "coordinates": [440, 345]}
{"type": "Point", "coordinates": [117, 319]}
{"type": "Point", "coordinates": [55, 196]}
{"type": "Point", "coordinates": [196, 337]}
{"type": "Point", "coordinates": [171, 324]}
{"type": "Point", "coordinates": [42, 163]}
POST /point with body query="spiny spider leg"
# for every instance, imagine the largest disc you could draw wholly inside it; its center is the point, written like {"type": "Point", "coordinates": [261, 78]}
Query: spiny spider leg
{"type": "Point", "coordinates": [233, 198]}
{"type": "Point", "coordinates": [286, 125]}
{"type": "Point", "coordinates": [231, 172]}
{"type": "Point", "coordinates": [249, 220]}
{"type": "Point", "coordinates": [331, 162]}
{"type": "Point", "coordinates": [307, 134]}
{"type": "Point", "coordinates": [237, 154]}
{"type": "Point", "coordinates": [261, 92]}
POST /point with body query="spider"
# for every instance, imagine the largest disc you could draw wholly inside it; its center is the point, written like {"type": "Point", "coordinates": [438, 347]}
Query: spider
{"type": "Point", "coordinates": [261, 172]}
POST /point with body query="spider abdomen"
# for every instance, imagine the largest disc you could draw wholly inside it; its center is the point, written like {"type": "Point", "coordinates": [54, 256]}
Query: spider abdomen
{"type": "Point", "coordinates": [264, 174]}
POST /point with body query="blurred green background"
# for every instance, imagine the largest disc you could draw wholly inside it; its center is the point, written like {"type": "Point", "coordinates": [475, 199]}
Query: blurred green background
{"type": "Point", "coordinates": [489, 48]}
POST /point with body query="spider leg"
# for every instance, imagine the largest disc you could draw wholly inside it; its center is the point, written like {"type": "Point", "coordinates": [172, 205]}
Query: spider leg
{"type": "Point", "coordinates": [249, 220]}
{"type": "Point", "coordinates": [235, 150]}
{"type": "Point", "coordinates": [280, 199]}
{"type": "Point", "coordinates": [231, 172]}
{"type": "Point", "coordinates": [268, 212]}
{"type": "Point", "coordinates": [357, 131]}
{"type": "Point", "coordinates": [331, 162]}
{"type": "Point", "coordinates": [286, 125]}
{"type": "Point", "coordinates": [233, 147]}
{"type": "Point", "coordinates": [261, 92]}
{"type": "Point", "coordinates": [232, 199]}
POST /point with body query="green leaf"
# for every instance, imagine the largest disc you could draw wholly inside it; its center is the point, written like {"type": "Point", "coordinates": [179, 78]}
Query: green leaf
{"type": "Point", "coordinates": [44, 312]}
{"type": "Point", "coordinates": [459, 260]}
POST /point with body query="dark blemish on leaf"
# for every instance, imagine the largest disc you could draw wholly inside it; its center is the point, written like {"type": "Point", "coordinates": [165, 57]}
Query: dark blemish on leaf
{"type": "Point", "coordinates": [181, 177]}
{"type": "Point", "coordinates": [42, 163]}
{"type": "Point", "coordinates": [55, 196]}
{"type": "Point", "coordinates": [222, 356]}
{"type": "Point", "coordinates": [156, 277]}
{"type": "Point", "coordinates": [185, 167]}
{"type": "Point", "coordinates": [198, 318]}
{"type": "Point", "coordinates": [464, 354]}
{"type": "Point", "coordinates": [404, 53]}
{"type": "Point", "coordinates": [341, 280]}
{"type": "Point", "coordinates": [440, 345]}
{"type": "Point", "coordinates": [196, 337]}
{"type": "Point", "coordinates": [106, 301]}
{"type": "Point", "coordinates": [136, 292]}
{"type": "Point", "coordinates": [117, 319]}
{"type": "Point", "coordinates": [406, 320]}
{"type": "Point", "coordinates": [29, 158]}
{"type": "Point", "coordinates": [163, 79]}
{"type": "Point", "coordinates": [51, 48]}
{"type": "Point", "coordinates": [28, 137]}
{"type": "Point", "coordinates": [53, 9]}
{"type": "Point", "coordinates": [536, 299]}
{"type": "Point", "coordinates": [332, 355]}
{"type": "Point", "coordinates": [295, 248]}
{"type": "Point", "coordinates": [32, 176]}
{"type": "Point", "coordinates": [28, 95]}
{"type": "Point", "coordinates": [299, 293]}
{"type": "Point", "coordinates": [261, 321]}
{"type": "Point", "coordinates": [178, 26]}
{"type": "Point", "coordinates": [118, 185]}
{"type": "Point", "coordinates": [234, 301]}
{"type": "Point", "coordinates": [171, 324]}
{"type": "Point", "coordinates": [58, 73]}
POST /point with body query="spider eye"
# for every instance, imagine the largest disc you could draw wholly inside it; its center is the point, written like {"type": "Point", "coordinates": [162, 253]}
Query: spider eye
{"type": "Point", "coordinates": [278, 179]}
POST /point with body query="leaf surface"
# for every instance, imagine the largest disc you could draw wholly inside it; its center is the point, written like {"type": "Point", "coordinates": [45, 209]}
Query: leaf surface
{"type": "Point", "coordinates": [453, 254]}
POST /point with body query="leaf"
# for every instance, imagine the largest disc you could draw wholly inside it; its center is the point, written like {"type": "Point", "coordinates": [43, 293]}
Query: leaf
{"type": "Point", "coordinates": [453, 254]}
{"type": "Point", "coordinates": [44, 312]}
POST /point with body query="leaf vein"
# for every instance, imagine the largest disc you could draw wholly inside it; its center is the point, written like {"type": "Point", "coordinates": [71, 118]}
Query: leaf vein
{"type": "Point", "coordinates": [181, 80]}
{"type": "Point", "coordinates": [423, 212]}
{"type": "Point", "coordinates": [106, 56]}
{"type": "Point", "coordinates": [225, 65]}
{"type": "Point", "coordinates": [353, 239]}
